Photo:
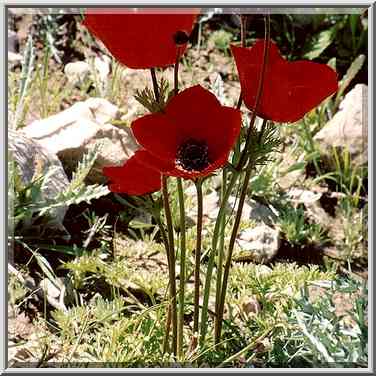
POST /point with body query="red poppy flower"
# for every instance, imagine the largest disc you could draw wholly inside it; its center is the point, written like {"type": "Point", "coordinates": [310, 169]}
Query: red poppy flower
{"type": "Point", "coordinates": [133, 178]}
{"type": "Point", "coordinates": [142, 38]}
{"type": "Point", "coordinates": [192, 137]}
{"type": "Point", "coordinates": [291, 89]}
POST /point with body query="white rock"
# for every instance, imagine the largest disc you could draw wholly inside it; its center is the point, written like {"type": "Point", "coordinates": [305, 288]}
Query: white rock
{"type": "Point", "coordinates": [72, 132]}
{"type": "Point", "coordinates": [303, 196]}
{"type": "Point", "coordinates": [33, 160]}
{"type": "Point", "coordinates": [77, 72]}
{"type": "Point", "coordinates": [48, 287]}
{"type": "Point", "coordinates": [210, 206]}
{"type": "Point", "coordinates": [349, 126]}
{"type": "Point", "coordinates": [14, 59]}
{"type": "Point", "coordinates": [102, 64]}
{"type": "Point", "coordinates": [258, 244]}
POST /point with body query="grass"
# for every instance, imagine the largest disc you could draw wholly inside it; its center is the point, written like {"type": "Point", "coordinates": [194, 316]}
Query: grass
{"type": "Point", "coordinates": [113, 284]}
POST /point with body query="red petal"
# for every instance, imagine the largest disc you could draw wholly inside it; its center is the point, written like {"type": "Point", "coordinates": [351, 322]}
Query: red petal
{"type": "Point", "coordinates": [291, 89]}
{"type": "Point", "coordinates": [200, 116]}
{"type": "Point", "coordinates": [155, 163]}
{"type": "Point", "coordinates": [133, 178]}
{"type": "Point", "coordinates": [158, 135]}
{"type": "Point", "coordinates": [178, 172]}
{"type": "Point", "coordinates": [196, 114]}
{"type": "Point", "coordinates": [142, 38]}
{"type": "Point", "coordinates": [169, 168]}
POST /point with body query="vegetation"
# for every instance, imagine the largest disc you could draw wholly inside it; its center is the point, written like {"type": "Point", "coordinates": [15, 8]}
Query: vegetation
{"type": "Point", "coordinates": [100, 298]}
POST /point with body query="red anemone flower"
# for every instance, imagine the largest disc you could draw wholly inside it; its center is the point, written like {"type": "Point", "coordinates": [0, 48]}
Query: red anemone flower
{"type": "Point", "coordinates": [142, 38]}
{"type": "Point", "coordinates": [191, 138]}
{"type": "Point", "coordinates": [291, 89]}
{"type": "Point", "coordinates": [133, 178]}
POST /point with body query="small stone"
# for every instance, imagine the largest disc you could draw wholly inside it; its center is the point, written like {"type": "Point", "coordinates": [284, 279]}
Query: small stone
{"type": "Point", "coordinates": [49, 288]}
{"type": "Point", "coordinates": [14, 59]}
{"type": "Point", "coordinates": [102, 64]}
{"type": "Point", "coordinates": [259, 244]}
{"type": "Point", "coordinates": [250, 305]}
{"type": "Point", "coordinates": [302, 196]}
{"type": "Point", "coordinates": [263, 270]}
{"type": "Point", "coordinates": [77, 72]}
{"type": "Point", "coordinates": [13, 42]}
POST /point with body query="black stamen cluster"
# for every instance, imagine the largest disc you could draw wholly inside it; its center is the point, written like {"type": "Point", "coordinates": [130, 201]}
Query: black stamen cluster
{"type": "Point", "coordinates": [193, 155]}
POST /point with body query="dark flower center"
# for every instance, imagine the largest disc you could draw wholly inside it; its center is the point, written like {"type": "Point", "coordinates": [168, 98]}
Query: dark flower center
{"type": "Point", "coordinates": [181, 37]}
{"type": "Point", "coordinates": [193, 155]}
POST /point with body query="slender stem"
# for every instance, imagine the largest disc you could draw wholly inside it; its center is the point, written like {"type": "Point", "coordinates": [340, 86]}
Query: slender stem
{"type": "Point", "coordinates": [243, 29]}
{"type": "Point", "coordinates": [243, 194]}
{"type": "Point", "coordinates": [215, 238]}
{"type": "Point", "coordinates": [197, 257]}
{"type": "Point", "coordinates": [167, 329]}
{"type": "Point", "coordinates": [155, 83]}
{"type": "Point", "coordinates": [182, 267]}
{"type": "Point", "coordinates": [243, 157]}
{"type": "Point", "coordinates": [176, 74]}
{"type": "Point", "coordinates": [312, 147]}
{"type": "Point", "coordinates": [164, 236]}
{"type": "Point", "coordinates": [170, 232]}
{"type": "Point", "coordinates": [205, 303]}
{"type": "Point", "coordinates": [240, 101]}
{"type": "Point", "coordinates": [221, 240]}
{"type": "Point", "coordinates": [157, 217]}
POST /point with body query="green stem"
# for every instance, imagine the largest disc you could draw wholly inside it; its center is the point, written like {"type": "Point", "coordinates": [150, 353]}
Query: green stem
{"type": "Point", "coordinates": [221, 240]}
{"type": "Point", "coordinates": [243, 25]}
{"type": "Point", "coordinates": [243, 194]}
{"type": "Point", "coordinates": [243, 157]}
{"type": "Point", "coordinates": [167, 330]}
{"type": "Point", "coordinates": [215, 238]}
{"type": "Point", "coordinates": [196, 300]}
{"type": "Point", "coordinates": [182, 267]}
{"type": "Point", "coordinates": [157, 217]}
{"type": "Point", "coordinates": [170, 232]}
{"type": "Point", "coordinates": [176, 76]}
{"type": "Point", "coordinates": [312, 147]}
{"type": "Point", "coordinates": [155, 84]}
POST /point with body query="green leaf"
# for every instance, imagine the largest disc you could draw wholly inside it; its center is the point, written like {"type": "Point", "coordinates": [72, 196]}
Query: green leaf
{"type": "Point", "coordinates": [353, 19]}
{"type": "Point", "coordinates": [353, 70]}
{"type": "Point", "coordinates": [319, 43]}
{"type": "Point", "coordinates": [295, 167]}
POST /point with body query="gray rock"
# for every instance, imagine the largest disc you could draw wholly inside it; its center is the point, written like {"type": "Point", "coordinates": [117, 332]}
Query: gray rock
{"type": "Point", "coordinates": [252, 210]}
{"type": "Point", "coordinates": [349, 126]}
{"type": "Point", "coordinates": [258, 244]}
{"type": "Point", "coordinates": [72, 132]}
{"type": "Point", "coordinates": [13, 42]}
{"type": "Point", "coordinates": [34, 160]}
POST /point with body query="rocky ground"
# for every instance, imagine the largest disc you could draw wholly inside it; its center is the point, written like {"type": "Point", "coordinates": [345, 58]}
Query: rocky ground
{"type": "Point", "coordinates": [89, 100]}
